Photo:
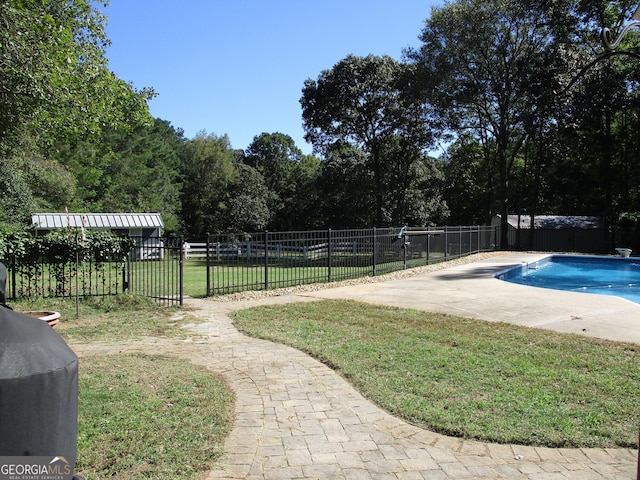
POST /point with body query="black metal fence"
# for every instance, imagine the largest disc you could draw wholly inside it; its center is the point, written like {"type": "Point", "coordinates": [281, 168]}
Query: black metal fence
{"type": "Point", "coordinates": [268, 260]}
{"type": "Point", "coordinates": [152, 268]}
{"type": "Point", "coordinates": [155, 267]}
{"type": "Point", "coordinates": [34, 278]}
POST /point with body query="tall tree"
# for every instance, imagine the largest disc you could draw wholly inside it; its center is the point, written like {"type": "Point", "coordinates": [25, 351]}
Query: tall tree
{"type": "Point", "coordinates": [136, 171]}
{"type": "Point", "coordinates": [55, 81]}
{"type": "Point", "coordinates": [414, 186]}
{"type": "Point", "coordinates": [207, 174]}
{"type": "Point", "coordinates": [469, 191]}
{"type": "Point", "coordinates": [143, 171]}
{"type": "Point", "coordinates": [365, 102]}
{"type": "Point", "coordinates": [601, 109]}
{"type": "Point", "coordinates": [16, 201]}
{"type": "Point", "coordinates": [345, 190]}
{"type": "Point", "coordinates": [490, 60]}
{"type": "Point", "coordinates": [248, 201]}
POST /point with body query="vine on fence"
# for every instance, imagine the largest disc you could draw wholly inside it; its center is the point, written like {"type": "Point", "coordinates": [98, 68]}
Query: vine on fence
{"type": "Point", "coordinates": [62, 254]}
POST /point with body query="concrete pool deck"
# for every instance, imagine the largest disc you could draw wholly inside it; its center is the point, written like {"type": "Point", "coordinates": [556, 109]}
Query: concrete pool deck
{"type": "Point", "coordinates": [472, 291]}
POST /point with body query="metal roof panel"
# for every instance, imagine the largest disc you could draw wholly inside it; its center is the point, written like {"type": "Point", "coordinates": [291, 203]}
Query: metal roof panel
{"type": "Point", "coordinates": [51, 221]}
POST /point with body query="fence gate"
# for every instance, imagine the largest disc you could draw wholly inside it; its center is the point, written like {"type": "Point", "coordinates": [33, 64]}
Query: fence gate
{"type": "Point", "coordinates": [155, 269]}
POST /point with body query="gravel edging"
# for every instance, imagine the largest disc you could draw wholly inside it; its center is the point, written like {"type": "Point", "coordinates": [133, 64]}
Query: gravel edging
{"type": "Point", "coordinates": [312, 287]}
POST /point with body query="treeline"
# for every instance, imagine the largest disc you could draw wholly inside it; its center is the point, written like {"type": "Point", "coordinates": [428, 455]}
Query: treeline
{"type": "Point", "coordinates": [532, 114]}
{"type": "Point", "coordinates": [202, 185]}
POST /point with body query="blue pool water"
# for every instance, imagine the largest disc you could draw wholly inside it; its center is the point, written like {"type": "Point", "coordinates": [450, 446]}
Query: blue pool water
{"type": "Point", "coordinates": [602, 275]}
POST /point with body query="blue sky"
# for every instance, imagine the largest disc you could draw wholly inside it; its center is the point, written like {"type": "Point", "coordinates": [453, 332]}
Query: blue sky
{"type": "Point", "coordinates": [237, 67]}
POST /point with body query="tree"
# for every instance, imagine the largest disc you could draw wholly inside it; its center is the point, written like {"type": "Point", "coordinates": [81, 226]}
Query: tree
{"type": "Point", "coordinates": [490, 61]}
{"type": "Point", "coordinates": [599, 125]}
{"type": "Point", "coordinates": [208, 172]}
{"type": "Point", "coordinates": [248, 201]}
{"type": "Point", "coordinates": [345, 187]}
{"type": "Point", "coordinates": [143, 169]}
{"type": "Point", "coordinates": [469, 192]}
{"type": "Point", "coordinates": [55, 81]}
{"type": "Point", "coordinates": [365, 102]}
{"type": "Point", "coordinates": [288, 175]}
{"type": "Point", "coordinates": [16, 201]}
{"type": "Point", "coordinates": [414, 185]}
{"type": "Point", "coordinates": [49, 183]}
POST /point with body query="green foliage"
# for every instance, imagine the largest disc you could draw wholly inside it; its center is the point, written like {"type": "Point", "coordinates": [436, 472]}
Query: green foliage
{"type": "Point", "coordinates": [468, 190]}
{"type": "Point", "coordinates": [16, 242]}
{"type": "Point", "coordinates": [137, 171]}
{"type": "Point", "coordinates": [289, 177]}
{"type": "Point", "coordinates": [207, 173]}
{"type": "Point", "coordinates": [248, 201]}
{"type": "Point", "coordinates": [536, 118]}
{"type": "Point", "coordinates": [530, 127]}
{"type": "Point", "coordinates": [63, 246]}
{"type": "Point", "coordinates": [56, 83]}
{"type": "Point", "coordinates": [16, 202]}
{"type": "Point", "coordinates": [488, 64]}
{"type": "Point", "coordinates": [51, 184]}
{"type": "Point", "coordinates": [346, 190]}
{"type": "Point", "coordinates": [51, 264]}
{"type": "Point", "coordinates": [368, 102]}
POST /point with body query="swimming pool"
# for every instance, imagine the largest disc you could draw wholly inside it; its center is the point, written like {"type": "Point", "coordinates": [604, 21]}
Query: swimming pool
{"type": "Point", "coordinates": [615, 276]}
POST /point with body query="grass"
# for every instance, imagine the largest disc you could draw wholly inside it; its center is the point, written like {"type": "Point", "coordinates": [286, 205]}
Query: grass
{"type": "Point", "coordinates": [114, 318]}
{"type": "Point", "coordinates": [235, 278]}
{"type": "Point", "coordinates": [140, 416]}
{"type": "Point", "coordinates": [473, 379]}
{"type": "Point", "coordinates": [150, 417]}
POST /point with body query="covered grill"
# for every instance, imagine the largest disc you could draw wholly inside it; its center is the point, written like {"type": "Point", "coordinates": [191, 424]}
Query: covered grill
{"type": "Point", "coordinates": [38, 387]}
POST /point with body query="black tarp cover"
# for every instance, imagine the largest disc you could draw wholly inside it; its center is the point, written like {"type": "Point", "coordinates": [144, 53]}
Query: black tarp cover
{"type": "Point", "coordinates": [38, 389]}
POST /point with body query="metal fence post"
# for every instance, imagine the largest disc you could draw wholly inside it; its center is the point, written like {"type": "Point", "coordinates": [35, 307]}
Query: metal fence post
{"type": "Point", "coordinates": [329, 255]}
{"type": "Point", "coordinates": [181, 254]}
{"type": "Point", "coordinates": [446, 242]}
{"type": "Point", "coordinates": [208, 263]}
{"type": "Point", "coordinates": [14, 290]}
{"type": "Point", "coordinates": [266, 260]}
{"type": "Point", "coordinates": [373, 252]}
{"type": "Point", "coordinates": [405, 244]}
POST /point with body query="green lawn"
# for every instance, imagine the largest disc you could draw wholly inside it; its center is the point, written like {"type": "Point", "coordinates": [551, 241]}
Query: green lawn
{"type": "Point", "coordinates": [230, 279]}
{"type": "Point", "coordinates": [149, 417]}
{"type": "Point", "coordinates": [235, 278]}
{"type": "Point", "coordinates": [473, 379]}
{"type": "Point", "coordinates": [142, 416]}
